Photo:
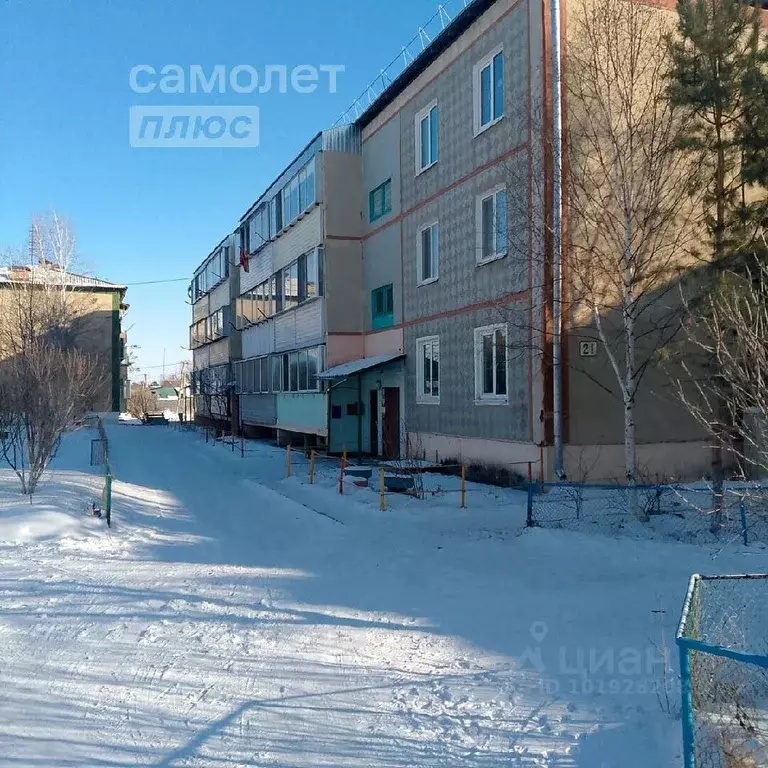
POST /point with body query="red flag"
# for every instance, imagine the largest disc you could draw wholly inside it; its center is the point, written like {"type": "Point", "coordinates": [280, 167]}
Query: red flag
{"type": "Point", "coordinates": [244, 261]}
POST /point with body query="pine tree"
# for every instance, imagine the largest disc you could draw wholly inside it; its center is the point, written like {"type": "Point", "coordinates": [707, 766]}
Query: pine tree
{"type": "Point", "coordinates": [718, 79]}
{"type": "Point", "coordinates": [754, 141]}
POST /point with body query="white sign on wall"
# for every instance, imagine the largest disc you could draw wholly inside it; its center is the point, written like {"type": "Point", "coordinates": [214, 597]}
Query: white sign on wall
{"type": "Point", "coordinates": [588, 348]}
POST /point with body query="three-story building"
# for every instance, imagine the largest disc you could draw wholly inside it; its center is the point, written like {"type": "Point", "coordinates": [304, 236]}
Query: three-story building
{"type": "Point", "coordinates": [300, 278]}
{"type": "Point", "coordinates": [212, 336]}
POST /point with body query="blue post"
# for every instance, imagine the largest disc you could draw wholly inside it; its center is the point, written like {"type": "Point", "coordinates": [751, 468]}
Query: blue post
{"type": "Point", "coordinates": [689, 758]}
{"type": "Point", "coordinates": [743, 512]}
{"type": "Point", "coordinates": [529, 519]}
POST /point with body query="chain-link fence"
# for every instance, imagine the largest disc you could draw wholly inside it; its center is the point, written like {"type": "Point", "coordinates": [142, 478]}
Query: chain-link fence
{"type": "Point", "coordinates": [723, 644]}
{"type": "Point", "coordinates": [100, 456]}
{"type": "Point", "coordinates": [667, 512]}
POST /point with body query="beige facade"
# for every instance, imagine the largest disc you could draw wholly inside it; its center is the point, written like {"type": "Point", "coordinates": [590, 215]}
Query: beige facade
{"type": "Point", "coordinates": [93, 309]}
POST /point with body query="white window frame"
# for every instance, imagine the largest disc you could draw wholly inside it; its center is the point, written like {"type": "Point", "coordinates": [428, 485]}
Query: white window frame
{"type": "Point", "coordinates": [477, 92]}
{"type": "Point", "coordinates": [421, 115]}
{"type": "Point", "coordinates": [421, 398]}
{"type": "Point", "coordinates": [498, 253]}
{"type": "Point", "coordinates": [421, 280]}
{"type": "Point", "coordinates": [480, 397]}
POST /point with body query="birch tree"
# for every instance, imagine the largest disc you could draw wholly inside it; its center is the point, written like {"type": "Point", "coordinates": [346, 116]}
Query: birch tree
{"type": "Point", "coordinates": [630, 200]}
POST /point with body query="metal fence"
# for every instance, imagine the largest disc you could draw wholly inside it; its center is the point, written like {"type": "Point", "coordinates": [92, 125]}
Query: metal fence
{"type": "Point", "coordinates": [671, 512]}
{"type": "Point", "coordinates": [723, 644]}
{"type": "Point", "coordinates": [100, 455]}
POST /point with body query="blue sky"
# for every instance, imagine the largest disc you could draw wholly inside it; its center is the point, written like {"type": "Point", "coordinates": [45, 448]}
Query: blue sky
{"type": "Point", "coordinates": [154, 214]}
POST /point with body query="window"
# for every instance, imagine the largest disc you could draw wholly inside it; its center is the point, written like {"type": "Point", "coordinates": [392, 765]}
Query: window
{"type": "Point", "coordinates": [426, 138]}
{"type": "Point", "coordinates": [308, 277]}
{"type": "Point", "coordinates": [489, 91]}
{"type": "Point", "coordinates": [258, 230]}
{"type": "Point", "coordinates": [276, 289]}
{"type": "Point", "coordinates": [303, 371]}
{"type": "Point", "coordinates": [291, 285]}
{"type": "Point", "coordinates": [428, 370]}
{"type": "Point", "coordinates": [311, 275]}
{"type": "Point", "coordinates": [276, 214]}
{"type": "Point", "coordinates": [427, 253]}
{"type": "Point", "coordinates": [297, 195]}
{"type": "Point", "coordinates": [380, 201]}
{"type": "Point", "coordinates": [491, 364]}
{"type": "Point", "coordinates": [314, 363]}
{"type": "Point", "coordinates": [382, 307]}
{"type": "Point", "coordinates": [492, 226]}
{"type": "Point", "coordinates": [307, 186]}
{"type": "Point", "coordinates": [277, 373]}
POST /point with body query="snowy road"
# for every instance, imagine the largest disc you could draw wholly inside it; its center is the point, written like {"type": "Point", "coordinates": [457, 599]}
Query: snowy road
{"type": "Point", "coordinates": [226, 620]}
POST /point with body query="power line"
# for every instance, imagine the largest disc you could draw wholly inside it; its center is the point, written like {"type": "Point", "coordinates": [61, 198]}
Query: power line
{"type": "Point", "coordinates": [155, 282]}
{"type": "Point", "coordinates": [147, 367]}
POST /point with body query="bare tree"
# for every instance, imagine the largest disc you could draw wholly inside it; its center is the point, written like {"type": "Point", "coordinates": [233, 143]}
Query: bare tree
{"type": "Point", "coordinates": [47, 383]}
{"type": "Point", "coordinates": [629, 206]}
{"type": "Point", "coordinates": [728, 329]}
{"type": "Point", "coordinates": [630, 202]}
{"type": "Point", "coordinates": [141, 402]}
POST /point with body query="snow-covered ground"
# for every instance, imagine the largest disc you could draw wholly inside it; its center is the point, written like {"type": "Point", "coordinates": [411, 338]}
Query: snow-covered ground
{"type": "Point", "coordinates": [232, 617]}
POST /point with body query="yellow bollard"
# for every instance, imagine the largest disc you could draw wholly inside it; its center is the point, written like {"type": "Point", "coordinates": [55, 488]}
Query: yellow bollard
{"type": "Point", "coordinates": [463, 486]}
{"type": "Point", "coordinates": [341, 475]}
{"type": "Point", "coordinates": [288, 461]}
{"type": "Point", "coordinates": [382, 499]}
{"type": "Point", "coordinates": [311, 467]}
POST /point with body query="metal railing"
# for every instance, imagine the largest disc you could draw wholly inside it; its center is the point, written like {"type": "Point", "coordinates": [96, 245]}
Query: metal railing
{"type": "Point", "coordinates": [723, 645]}
{"type": "Point", "coordinates": [667, 512]}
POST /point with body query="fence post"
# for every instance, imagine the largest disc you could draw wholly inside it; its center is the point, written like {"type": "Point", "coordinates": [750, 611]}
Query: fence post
{"type": "Point", "coordinates": [382, 499]}
{"type": "Point", "coordinates": [529, 517]}
{"type": "Point", "coordinates": [463, 486]}
{"type": "Point", "coordinates": [689, 758]}
{"type": "Point", "coordinates": [341, 472]}
{"type": "Point", "coordinates": [288, 461]}
{"type": "Point", "coordinates": [242, 447]}
{"type": "Point", "coordinates": [108, 503]}
{"type": "Point", "coordinates": [312, 467]}
{"type": "Point", "coordinates": [743, 513]}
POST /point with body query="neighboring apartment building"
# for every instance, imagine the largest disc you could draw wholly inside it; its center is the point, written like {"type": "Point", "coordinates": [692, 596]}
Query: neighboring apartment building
{"type": "Point", "coordinates": [300, 280]}
{"type": "Point", "coordinates": [212, 336]}
{"type": "Point", "coordinates": [457, 266]}
{"type": "Point", "coordinates": [99, 307]}
{"type": "Point", "coordinates": [441, 284]}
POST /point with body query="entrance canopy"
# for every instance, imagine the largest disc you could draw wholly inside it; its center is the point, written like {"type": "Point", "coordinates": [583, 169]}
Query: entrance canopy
{"type": "Point", "coordinates": [358, 366]}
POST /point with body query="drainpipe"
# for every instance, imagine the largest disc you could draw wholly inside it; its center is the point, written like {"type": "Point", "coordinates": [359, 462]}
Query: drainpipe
{"type": "Point", "coordinates": [557, 243]}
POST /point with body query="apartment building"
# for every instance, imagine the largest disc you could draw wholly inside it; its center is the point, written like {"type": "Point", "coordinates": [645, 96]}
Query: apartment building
{"type": "Point", "coordinates": [97, 308]}
{"type": "Point", "coordinates": [457, 264]}
{"type": "Point", "coordinates": [213, 338]}
{"type": "Point", "coordinates": [443, 284]}
{"type": "Point", "coordinates": [300, 283]}
{"type": "Point", "coordinates": [392, 289]}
